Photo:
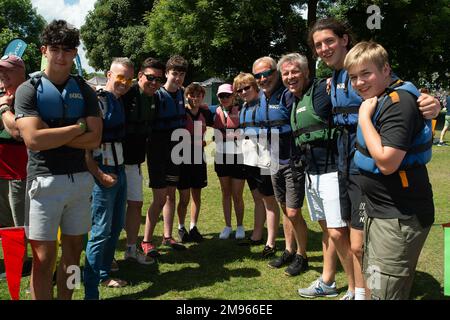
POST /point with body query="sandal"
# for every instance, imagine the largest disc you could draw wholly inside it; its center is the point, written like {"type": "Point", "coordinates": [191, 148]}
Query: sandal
{"type": "Point", "coordinates": [114, 283]}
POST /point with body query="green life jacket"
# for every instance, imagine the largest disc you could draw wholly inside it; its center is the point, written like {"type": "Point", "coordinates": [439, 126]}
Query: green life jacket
{"type": "Point", "coordinates": [139, 112]}
{"type": "Point", "coordinates": [307, 126]}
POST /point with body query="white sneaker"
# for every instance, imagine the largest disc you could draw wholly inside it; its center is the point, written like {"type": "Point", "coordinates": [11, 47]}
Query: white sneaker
{"type": "Point", "coordinates": [139, 257]}
{"type": "Point", "coordinates": [240, 232]}
{"type": "Point", "coordinates": [225, 234]}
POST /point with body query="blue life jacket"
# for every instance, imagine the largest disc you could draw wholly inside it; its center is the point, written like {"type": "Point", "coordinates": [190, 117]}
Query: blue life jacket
{"type": "Point", "coordinates": [345, 100]}
{"type": "Point", "coordinates": [271, 114]}
{"type": "Point", "coordinates": [420, 151]}
{"type": "Point", "coordinates": [59, 109]}
{"type": "Point", "coordinates": [113, 117]}
{"type": "Point", "coordinates": [170, 113]}
{"type": "Point", "coordinates": [247, 118]}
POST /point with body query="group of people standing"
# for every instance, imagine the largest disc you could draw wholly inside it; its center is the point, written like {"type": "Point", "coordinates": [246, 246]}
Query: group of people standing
{"type": "Point", "coordinates": [355, 146]}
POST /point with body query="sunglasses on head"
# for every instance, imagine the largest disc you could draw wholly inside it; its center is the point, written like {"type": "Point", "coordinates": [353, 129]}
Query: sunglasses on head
{"type": "Point", "coordinates": [152, 78]}
{"type": "Point", "coordinates": [264, 74]}
{"type": "Point", "coordinates": [242, 89]}
{"type": "Point", "coordinates": [224, 95]}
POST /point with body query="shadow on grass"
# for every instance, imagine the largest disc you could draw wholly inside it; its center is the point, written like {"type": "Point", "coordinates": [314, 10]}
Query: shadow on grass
{"type": "Point", "coordinates": [426, 287]}
{"type": "Point", "coordinates": [206, 265]}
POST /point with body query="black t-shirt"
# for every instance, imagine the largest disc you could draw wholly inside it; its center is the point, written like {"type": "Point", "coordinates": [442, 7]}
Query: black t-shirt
{"type": "Point", "coordinates": [386, 198]}
{"type": "Point", "coordinates": [62, 160]}
{"type": "Point", "coordinates": [316, 157]}
{"type": "Point", "coordinates": [134, 145]}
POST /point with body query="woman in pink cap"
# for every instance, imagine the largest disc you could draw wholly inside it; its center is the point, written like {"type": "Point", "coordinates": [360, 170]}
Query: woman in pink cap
{"type": "Point", "coordinates": [228, 160]}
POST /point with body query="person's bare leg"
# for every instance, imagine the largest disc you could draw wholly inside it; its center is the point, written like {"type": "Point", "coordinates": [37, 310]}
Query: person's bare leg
{"type": "Point", "coordinates": [195, 205]}
{"type": "Point", "coordinates": [133, 221]}
{"type": "Point", "coordinates": [159, 199]}
{"type": "Point", "coordinates": [357, 240]}
{"type": "Point", "coordinates": [44, 257]}
{"type": "Point", "coordinates": [341, 239]}
{"type": "Point", "coordinates": [259, 217]}
{"type": "Point", "coordinates": [329, 255]}
{"type": "Point", "coordinates": [300, 230]}
{"type": "Point", "coordinates": [183, 202]}
{"type": "Point", "coordinates": [273, 219]}
{"type": "Point", "coordinates": [288, 230]}
{"type": "Point", "coordinates": [169, 211]}
{"type": "Point", "coordinates": [226, 187]}
{"type": "Point", "coordinates": [71, 251]}
{"type": "Point", "coordinates": [237, 189]}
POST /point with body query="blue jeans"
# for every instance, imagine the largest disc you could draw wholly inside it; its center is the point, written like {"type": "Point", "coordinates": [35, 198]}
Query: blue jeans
{"type": "Point", "coordinates": [108, 215]}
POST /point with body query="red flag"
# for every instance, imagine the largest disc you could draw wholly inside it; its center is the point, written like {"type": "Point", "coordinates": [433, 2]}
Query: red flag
{"type": "Point", "coordinates": [13, 243]}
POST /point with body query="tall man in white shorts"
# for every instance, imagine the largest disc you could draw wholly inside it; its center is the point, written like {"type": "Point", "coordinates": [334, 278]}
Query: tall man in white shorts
{"type": "Point", "coordinates": [140, 111]}
{"type": "Point", "coordinates": [58, 117]}
{"type": "Point", "coordinates": [314, 140]}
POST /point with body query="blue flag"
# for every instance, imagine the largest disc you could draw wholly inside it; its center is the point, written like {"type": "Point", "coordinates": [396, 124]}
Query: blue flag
{"type": "Point", "coordinates": [78, 64]}
{"type": "Point", "coordinates": [15, 47]}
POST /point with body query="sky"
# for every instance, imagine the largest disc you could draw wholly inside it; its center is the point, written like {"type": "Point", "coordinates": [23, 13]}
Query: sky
{"type": "Point", "coordinates": [73, 11]}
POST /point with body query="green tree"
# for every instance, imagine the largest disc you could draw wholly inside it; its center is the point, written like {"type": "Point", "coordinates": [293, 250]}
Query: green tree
{"type": "Point", "coordinates": [115, 28]}
{"type": "Point", "coordinates": [223, 38]}
{"type": "Point", "coordinates": [412, 31]}
{"type": "Point", "coordinates": [19, 19]}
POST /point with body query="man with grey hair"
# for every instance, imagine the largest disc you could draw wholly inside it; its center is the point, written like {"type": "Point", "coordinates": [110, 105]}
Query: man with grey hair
{"type": "Point", "coordinates": [311, 122]}
{"type": "Point", "coordinates": [110, 190]}
{"type": "Point", "coordinates": [287, 180]}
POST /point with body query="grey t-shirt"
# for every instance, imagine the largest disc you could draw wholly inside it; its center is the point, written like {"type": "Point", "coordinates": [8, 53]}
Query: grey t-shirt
{"type": "Point", "coordinates": [61, 160]}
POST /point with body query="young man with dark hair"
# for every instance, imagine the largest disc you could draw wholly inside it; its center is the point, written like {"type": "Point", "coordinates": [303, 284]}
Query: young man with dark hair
{"type": "Point", "coordinates": [163, 172]}
{"type": "Point", "coordinates": [58, 118]}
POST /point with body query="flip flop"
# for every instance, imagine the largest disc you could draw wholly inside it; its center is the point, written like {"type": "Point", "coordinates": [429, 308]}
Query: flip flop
{"type": "Point", "coordinates": [114, 283]}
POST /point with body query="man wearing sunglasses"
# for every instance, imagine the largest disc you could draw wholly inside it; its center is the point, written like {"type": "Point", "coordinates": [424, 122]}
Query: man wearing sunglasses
{"type": "Point", "coordinates": [58, 118]}
{"type": "Point", "coordinates": [140, 111]}
{"type": "Point", "coordinates": [106, 164]}
{"type": "Point", "coordinates": [288, 180]}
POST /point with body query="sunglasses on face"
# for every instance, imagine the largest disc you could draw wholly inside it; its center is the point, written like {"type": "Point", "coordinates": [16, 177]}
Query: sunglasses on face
{"type": "Point", "coordinates": [121, 78]}
{"type": "Point", "coordinates": [152, 78]}
{"type": "Point", "coordinates": [264, 74]}
{"type": "Point", "coordinates": [242, 89]}
{"type": "Point", "coordinates": [224, 95]}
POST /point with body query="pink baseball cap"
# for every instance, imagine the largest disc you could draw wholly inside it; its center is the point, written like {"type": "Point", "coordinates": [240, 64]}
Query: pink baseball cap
{"type": "Point", "coordinates": [11, 62]}
{"type": "Point", "coordinates": [225, 88]}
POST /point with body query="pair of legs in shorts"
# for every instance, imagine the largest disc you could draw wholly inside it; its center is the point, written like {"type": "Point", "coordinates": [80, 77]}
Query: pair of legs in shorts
{"type": "Point", "coordinates": [56, 201]}
{"type": "Point", "coordinates": [232, 180]}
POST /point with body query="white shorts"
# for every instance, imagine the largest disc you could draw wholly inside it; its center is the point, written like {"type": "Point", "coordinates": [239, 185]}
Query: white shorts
{"type": "Point", "coordinates": [322, 196]}
{"type": "Point", "coordinates": [58, 201]}
{"type": "Point", "coordinates": [134, 182]}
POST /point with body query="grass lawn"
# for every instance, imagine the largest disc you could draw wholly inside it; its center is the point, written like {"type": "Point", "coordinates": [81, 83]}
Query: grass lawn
{"type": "Point", "coordinates": [220, 269]}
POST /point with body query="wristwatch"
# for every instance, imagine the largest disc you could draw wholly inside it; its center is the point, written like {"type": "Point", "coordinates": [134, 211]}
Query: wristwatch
{"type": "Point", "coordinates": [3, 108]}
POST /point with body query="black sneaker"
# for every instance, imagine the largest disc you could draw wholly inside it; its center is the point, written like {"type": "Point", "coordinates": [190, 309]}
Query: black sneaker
{"type": "Point", "coordinates": [195, 235]}
{"type": "Point", "coordinates": [250, 242]}
{"type": "Point", "coordinates": [184, 235]}
{"type": "Point", "coordinates": [285, 259]}
{"type": "Point", "coordinates": [297, 266]}
{"type": "Point", "coordinates": [268, 251]}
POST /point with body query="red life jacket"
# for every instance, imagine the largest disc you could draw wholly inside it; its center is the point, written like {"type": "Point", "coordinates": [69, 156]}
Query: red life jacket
{"type": "Point", "coordinates": [229, 121]}
{"type": "Point", "coordinates": [190, 119]}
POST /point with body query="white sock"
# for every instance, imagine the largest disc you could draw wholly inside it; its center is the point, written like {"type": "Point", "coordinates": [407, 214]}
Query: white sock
{"type": "Point", "coordinates": [180, 226]}
{"type": "Point", "coordinates": [360, 293]}
{"type": "Point", "coordinates": [131, 247]}
{"type": "Point", "coordinates": [192, 225]}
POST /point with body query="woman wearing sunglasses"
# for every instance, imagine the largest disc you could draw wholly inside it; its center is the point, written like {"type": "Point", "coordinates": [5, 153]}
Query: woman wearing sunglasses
{"type": "Point", "coordinates": [247, 88]}
{"type": "Point", "coordinates": [228, 160]}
